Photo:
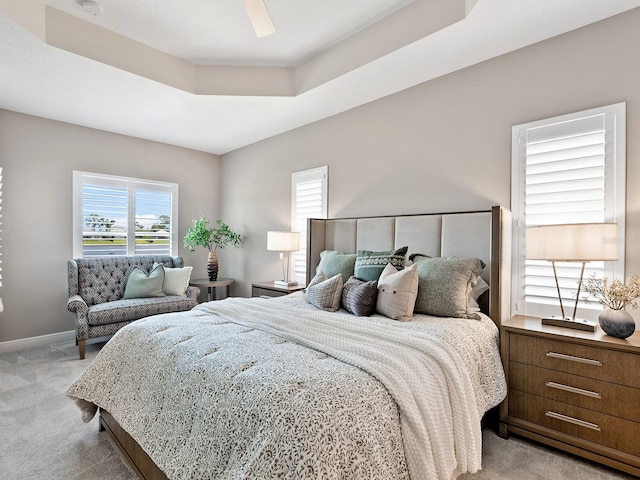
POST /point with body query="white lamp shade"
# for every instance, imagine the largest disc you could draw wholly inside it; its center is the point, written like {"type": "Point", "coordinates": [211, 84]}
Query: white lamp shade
{"type": "Point", "coordinates": [576, 242]}
{"type": "Point", "coordinates": [283, 241]}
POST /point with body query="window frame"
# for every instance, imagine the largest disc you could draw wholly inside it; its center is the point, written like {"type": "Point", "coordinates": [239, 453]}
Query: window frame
{"type": "Point", "coordinates": [320, 174]}
{"type": "Point", "coordinates": [132, 184]}
{"type": "Point", "coordinates": [614, 205]}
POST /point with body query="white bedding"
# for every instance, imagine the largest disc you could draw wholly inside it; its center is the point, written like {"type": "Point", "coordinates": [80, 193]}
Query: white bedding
{"type": "Point", "coordinates": [275, 388]}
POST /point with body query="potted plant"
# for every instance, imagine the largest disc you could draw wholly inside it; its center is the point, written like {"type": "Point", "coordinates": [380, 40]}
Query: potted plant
{"type": "Point", "coordinates": [614, 297]}
{"type": "Point", "coordinates": [212, 238]}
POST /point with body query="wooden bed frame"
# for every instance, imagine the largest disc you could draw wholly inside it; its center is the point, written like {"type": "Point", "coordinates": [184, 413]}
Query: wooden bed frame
{"type": "Point", "coordinates": [351, 234]}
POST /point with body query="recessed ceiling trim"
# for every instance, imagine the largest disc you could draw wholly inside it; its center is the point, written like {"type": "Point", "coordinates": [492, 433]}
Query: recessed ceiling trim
{"type": "Point", "coordinates": [74, 34]}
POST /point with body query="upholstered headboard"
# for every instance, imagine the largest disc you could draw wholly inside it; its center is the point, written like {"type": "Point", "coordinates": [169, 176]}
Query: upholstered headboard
{"type": "Point", "coordinates": [482, 234]}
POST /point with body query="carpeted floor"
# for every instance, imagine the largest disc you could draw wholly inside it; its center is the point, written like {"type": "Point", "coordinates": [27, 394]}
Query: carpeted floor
{"type": "Point", "coordinates": [43, 437]}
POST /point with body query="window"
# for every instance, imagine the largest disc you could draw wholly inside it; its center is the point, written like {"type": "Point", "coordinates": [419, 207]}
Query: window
{"type": "Point", "coordinates": [0, 234]}
{"type": "Point", "coordinates": [568, 169]}
{"type": "Point", "coordinates": [123, 216]}
{"type": "Point", "coordinates": [308, 200]}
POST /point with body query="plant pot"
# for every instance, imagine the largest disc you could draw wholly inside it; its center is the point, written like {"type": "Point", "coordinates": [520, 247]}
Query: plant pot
{"type": "Point", "coordinates": [212, 266]}
{"type": "Point", "coordinates": [617, 323]}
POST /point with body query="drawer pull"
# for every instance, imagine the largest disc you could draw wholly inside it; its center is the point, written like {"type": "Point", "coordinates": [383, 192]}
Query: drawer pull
{"type": "Point", "coordinates": [568, 388]}
{"type": "Point", "coordinates": [571, 358]}
{"type": "Point", "coordinates": [575, 421]}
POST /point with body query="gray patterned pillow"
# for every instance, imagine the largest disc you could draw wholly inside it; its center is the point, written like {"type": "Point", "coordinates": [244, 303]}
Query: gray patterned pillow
{"type": "Point", "coordinates": [333, 262]}
{"type": "Point", "coordinates": [324, 293]}
{"type": "Point", "coordinates": [359, 297]}
{"type": "Point", "coordinates": [369, 265]}
{"type": "Point", "coordinates": [444, 285]}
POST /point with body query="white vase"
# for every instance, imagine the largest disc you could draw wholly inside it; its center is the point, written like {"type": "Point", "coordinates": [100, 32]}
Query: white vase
{"type": "Point", "coordinates": [617, 323]}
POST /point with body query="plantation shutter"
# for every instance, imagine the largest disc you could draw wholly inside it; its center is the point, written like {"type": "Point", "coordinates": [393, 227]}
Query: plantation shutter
{"type": "Point", "coordinates": [104, 219]}
{"type": "Point", "coordinates": [0, 234]}
{"type": "Point", "coordinates": [308, 200]}
{"type": "Point", "coordinates": [123, 216]}
{"type": "Point", "coordinates": [153, 222]}
{"type": "Point", "coordinates": [568, 174]}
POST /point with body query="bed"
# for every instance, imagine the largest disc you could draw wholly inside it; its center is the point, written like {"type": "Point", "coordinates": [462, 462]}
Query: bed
{"type": "Point", "coordinates": [277, 388]}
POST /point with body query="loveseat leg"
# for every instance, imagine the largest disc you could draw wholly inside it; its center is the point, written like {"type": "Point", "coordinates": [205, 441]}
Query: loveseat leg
{"type": "Point", "coordinates": [81, 347]}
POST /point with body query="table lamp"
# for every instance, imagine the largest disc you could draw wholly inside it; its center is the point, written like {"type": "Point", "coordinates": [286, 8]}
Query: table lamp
{"type": "Point", "coordinates": [284, 242]}
{"type": "Point", "coordinates": [577, 242]}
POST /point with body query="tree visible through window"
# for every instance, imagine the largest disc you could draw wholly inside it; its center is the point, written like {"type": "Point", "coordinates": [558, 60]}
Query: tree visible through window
{"type": "Point", "coordinates": [123, 216]}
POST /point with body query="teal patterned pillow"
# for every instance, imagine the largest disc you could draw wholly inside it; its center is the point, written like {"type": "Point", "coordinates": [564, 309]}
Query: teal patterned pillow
{"type": "Point", "coordinates": [143, 285]}
{"type": "Point", "coordinates": [333, 262]}
{"type": "Point", "coordinates": [324, 293]}
{"type": "Point", "coordinates": [369, 265]}
{"type": "Point", "coordinates": [444, 285]}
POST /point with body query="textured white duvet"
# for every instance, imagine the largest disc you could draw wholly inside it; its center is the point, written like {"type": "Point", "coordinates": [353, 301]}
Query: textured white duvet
{"type": "Point", "coordinates": [257, 388]}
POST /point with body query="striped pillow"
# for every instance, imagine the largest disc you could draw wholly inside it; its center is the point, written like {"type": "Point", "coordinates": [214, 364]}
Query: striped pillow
{"type": "Point", "coordinates": [324, 293]}
{"type": "Point", "coordinates": [359, 297]}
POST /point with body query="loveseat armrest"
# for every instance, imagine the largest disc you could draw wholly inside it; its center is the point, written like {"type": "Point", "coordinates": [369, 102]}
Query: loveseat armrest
{"type": "Point", "coordinates": [192, 292]}
{"type": "Point", "coordinates": [77, 305]}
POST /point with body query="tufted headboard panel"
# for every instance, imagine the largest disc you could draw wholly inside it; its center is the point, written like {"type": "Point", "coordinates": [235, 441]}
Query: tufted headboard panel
{"type": "Point", "coordinates": [482, 234]}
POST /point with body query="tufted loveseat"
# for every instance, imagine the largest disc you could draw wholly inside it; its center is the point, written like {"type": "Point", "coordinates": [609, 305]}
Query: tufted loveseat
{"type": "Point", "coordinates": [96, 286]}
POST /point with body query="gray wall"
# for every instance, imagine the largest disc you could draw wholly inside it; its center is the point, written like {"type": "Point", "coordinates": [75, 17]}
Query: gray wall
{"type": "Point", "coordinates": [38, 157]}
{"type": "Point", "coordinates": [444, 145]}
{"type": "Point", "coordinates": [441, 146]}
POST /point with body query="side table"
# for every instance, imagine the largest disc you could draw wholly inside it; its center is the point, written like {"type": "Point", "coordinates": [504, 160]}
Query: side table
{"type": "Point", "coordinates": [212, 285]}
{"type": "Point", "coordinates": [269, 289]}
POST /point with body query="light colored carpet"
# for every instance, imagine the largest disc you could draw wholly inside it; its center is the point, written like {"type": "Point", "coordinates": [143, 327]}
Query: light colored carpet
{"type": "Point", "coordinates": [43, 437]}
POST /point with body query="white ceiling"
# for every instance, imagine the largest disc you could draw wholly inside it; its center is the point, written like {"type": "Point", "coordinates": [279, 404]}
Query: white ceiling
{"type": "Point", "coordinates": [42, 80]}
{"type": "Point", "coordinates": [219, 32]}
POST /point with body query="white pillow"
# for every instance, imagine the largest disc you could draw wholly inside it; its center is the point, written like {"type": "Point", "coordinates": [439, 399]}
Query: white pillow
{"type": "Point", "coordinates": [479, 289]}
{"type": "Point", "coordinates": [325, 293]}
{"type": "Point", "coordinates": [176, 280]}
{"type": "Point", "coordinates": [397, 292]}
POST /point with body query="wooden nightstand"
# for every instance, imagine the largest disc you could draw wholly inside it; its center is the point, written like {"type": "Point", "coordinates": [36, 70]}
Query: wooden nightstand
{"type": "Point", "coordinates": [576, 391]}
{"type": "Point", "coordinates": [268, 289]}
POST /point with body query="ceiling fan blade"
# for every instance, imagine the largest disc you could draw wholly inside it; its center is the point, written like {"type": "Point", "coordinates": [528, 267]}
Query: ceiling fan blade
{"type": "Point", "coordinates": [260, 18]}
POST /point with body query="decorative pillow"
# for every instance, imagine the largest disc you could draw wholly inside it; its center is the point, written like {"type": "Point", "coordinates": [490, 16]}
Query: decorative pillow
{"type": "Point", "coordinates": [479, 289]}
{"type": "Point", "coordinates": [369, 265]}
{"type": "Point", "coordinates": [445, 284]}
{"type": "Point", "coordinates": [324, 293]}
{"type": "Point", "coordinates": [176, 280]}
{"type": "Point", "coordinates": [143, 285]}
{"type": "Point", "coordinates": [333, 262]}
{"type": "Point", "coordinates": [359, 297]}
{"type": "Point", "coordinates": [397, 290]}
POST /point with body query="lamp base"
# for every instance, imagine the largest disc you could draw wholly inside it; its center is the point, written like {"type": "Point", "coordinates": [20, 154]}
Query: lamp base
{"type": "Point", "coordinates": [284, 283]}
{"type": "Point", "coordinates": [576, 324]}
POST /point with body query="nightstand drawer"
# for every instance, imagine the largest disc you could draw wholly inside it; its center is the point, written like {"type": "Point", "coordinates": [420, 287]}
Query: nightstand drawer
{"type": "Point", "coordinates": [606, 430]}
{"type": "Point", "coordinates": [597, 395]}
{"type": "Point", "coordinates": [598, 363]}
{"type": "Point", "coordinates": [260, 292]}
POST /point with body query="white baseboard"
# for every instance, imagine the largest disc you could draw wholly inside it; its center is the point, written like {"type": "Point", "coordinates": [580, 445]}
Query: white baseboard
{"type": "Point", "coordinates": [39, 341]}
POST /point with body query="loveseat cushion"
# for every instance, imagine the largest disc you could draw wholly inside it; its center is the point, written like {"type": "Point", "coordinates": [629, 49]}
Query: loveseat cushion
{"type": "Point", "coordinates": [135, 308]}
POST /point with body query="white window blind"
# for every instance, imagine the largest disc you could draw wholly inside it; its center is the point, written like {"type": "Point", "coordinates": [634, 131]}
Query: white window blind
{"type": "Point", "coordinates": [567, 169]}
{"type": "Point", "coordinates": [123, 216]}
{"type": "Point", "coordinates": [0, 231]}
{"type": "Point", "coordinates": [308, 200]}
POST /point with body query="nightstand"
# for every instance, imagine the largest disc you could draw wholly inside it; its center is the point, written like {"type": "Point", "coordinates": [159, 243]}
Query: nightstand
{"type": "Point", "coordinates": [574, 390]}
{"type": "Point", "coordinates": [269, 289]}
